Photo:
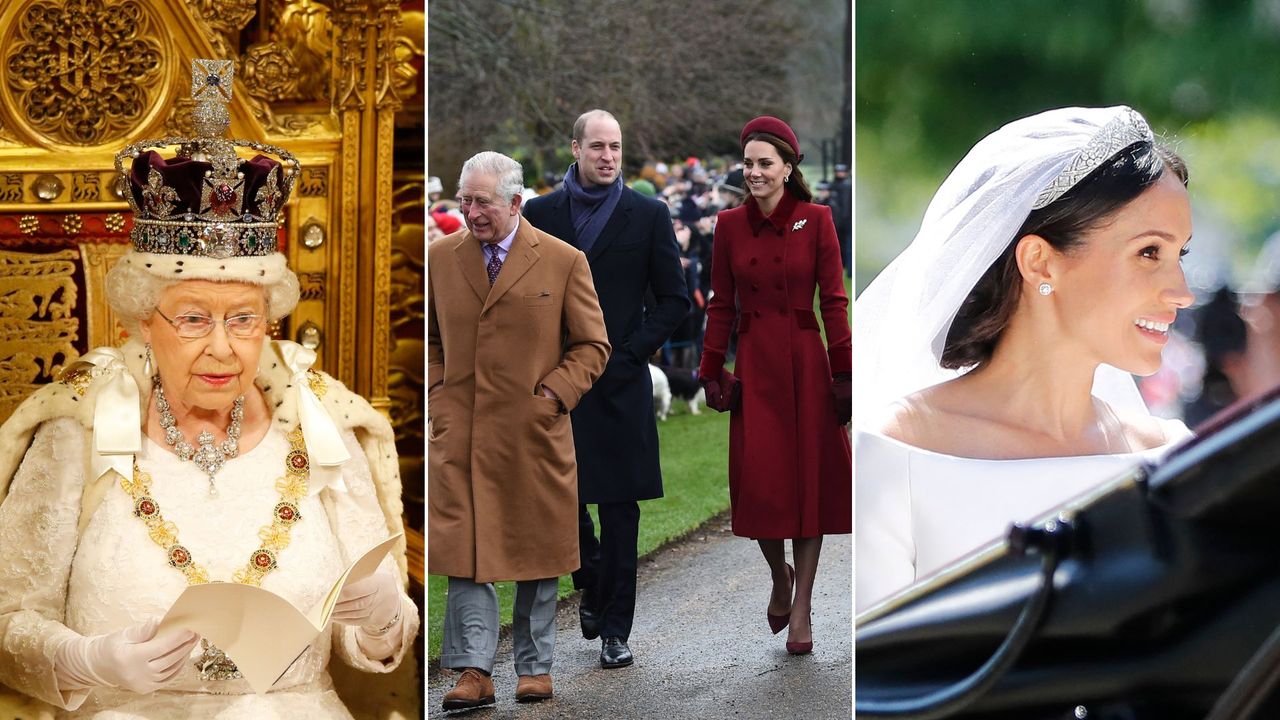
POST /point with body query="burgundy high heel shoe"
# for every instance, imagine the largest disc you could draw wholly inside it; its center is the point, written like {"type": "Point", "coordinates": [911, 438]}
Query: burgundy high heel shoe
{"type": "Point", "coordinates": [802, 648]}
{"type": "Point", "coordinates": [778, 622]}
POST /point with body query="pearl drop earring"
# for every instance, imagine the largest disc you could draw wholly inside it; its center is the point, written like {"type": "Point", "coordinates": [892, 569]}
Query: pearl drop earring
{"type": "Point", "coordinates": [1045, 288]}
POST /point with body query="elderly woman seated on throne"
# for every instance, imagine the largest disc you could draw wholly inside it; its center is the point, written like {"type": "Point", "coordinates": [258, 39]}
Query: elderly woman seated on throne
{"type": "Point", "coordinates": [200, 451]}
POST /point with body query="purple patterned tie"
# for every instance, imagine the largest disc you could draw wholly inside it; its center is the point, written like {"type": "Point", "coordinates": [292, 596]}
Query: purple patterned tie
{"type": "Point", "coordinates": [495, 263]}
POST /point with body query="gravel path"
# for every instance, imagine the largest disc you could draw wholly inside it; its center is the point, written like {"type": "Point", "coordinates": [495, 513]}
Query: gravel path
{"type": "Point", "coordinates": [702, 647]}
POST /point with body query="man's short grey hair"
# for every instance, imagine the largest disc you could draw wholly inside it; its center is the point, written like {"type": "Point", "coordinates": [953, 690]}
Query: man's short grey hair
{"type": "Point", "coordinates": [580, 125]}
{"type": "Point", "coordinates": [134, 293]}
{"type": "Point", "coordinates": [508, 172]}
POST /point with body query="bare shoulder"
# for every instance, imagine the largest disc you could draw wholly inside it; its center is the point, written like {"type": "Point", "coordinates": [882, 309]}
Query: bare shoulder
{"type": "Point", "coordinates": [916, 419]}
{"type": "Point", "coordinates": [951, 418]}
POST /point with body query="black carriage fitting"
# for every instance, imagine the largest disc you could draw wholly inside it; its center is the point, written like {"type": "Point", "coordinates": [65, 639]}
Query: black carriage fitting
{"type": "Point", "coordinates": [1052, 542]}
{"type": "Point", "coordinates": [1165, 599]}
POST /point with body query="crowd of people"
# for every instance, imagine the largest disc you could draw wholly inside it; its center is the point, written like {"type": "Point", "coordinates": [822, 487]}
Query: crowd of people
{"type": "Point", "coordinates": [695, 191]}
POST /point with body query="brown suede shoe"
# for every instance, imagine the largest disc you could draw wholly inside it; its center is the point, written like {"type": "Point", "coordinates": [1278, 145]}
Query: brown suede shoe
{"type": "Point", "coordinates": [533, 688]}
{"type": "Point", "coordinates": [473, 689]}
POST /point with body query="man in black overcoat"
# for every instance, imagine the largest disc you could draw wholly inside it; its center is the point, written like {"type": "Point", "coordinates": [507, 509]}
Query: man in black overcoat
{"type": "Point", "coordinates": [631, 248]}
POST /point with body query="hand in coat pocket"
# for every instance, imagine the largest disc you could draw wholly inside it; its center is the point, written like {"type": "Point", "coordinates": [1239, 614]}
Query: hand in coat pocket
{"type": "Point", "coordinates": [547, 393]}
{"type": "Point", "coordinates": [433, 412]}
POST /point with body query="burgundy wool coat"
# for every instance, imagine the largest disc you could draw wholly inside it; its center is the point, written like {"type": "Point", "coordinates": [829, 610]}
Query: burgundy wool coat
{"type": "Point", "coordinates": [790, 464]}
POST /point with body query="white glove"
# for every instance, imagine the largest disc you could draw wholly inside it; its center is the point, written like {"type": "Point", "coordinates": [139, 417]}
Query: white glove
{"type": "Point", "coordinates": [133, 659]}
{"type": "Point", "coordinates": [373, 603]}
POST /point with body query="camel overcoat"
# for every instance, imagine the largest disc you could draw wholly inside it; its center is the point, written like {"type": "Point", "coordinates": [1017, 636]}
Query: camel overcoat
{"type": "Point", "coordinates": [502, 484]}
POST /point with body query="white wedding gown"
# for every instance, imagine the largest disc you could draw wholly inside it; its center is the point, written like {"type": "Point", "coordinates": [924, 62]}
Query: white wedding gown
{"type": "Point", "coordinates": [53, 584]}
{"type": "Point", "coordinates": [917, 511]}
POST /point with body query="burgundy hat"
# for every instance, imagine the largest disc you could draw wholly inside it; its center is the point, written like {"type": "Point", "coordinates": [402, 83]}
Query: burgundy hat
{"type": "Point", "coordinates": [773, 126]}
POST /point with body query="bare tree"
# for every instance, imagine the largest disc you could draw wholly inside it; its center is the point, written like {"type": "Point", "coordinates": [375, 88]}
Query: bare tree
{"type": "Point", "coordinates": [512, 75]}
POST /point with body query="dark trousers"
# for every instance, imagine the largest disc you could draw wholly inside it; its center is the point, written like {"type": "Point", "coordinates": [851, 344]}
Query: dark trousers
{"type": "Point", "coordinates": [607, 577]}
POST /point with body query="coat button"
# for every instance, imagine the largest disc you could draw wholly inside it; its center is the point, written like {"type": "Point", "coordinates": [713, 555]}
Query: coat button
{"type": "Point", "coordinates": [755, 286]}
{"type": "Point", "coordinates": [778, 259]}
{"type": "Point", "coordinates": [756, 313]}
{"type": "Point", "coordinates": [753, 261]}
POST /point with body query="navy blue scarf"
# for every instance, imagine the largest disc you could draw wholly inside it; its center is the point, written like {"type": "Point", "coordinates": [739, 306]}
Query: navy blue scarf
{"type": "Point", "coordinates": [590, 208]}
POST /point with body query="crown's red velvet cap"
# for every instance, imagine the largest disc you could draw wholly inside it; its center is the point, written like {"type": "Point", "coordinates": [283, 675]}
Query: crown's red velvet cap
{"type": "Point", "coordinates": [773, 126]}
{"type": "Point", "coordinates": [186, 177]}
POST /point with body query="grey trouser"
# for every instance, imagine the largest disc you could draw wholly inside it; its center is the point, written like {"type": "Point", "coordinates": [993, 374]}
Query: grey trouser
{"type": "Point", "coordinates": [471, 625]}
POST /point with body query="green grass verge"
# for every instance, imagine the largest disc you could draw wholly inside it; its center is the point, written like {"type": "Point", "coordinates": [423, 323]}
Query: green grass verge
{"type": "Point", "coordinates": [695, 460]}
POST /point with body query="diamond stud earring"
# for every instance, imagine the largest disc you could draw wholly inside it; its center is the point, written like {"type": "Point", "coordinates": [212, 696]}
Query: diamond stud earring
{"type": "Point", "coordinates": [1045, 288]}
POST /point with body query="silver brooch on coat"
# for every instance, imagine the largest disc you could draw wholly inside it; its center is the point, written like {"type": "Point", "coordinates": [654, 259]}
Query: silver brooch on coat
{"type": "Point", "coordinates": [209, 457]}
{"type": "Point", "coordinates": [799, 224]}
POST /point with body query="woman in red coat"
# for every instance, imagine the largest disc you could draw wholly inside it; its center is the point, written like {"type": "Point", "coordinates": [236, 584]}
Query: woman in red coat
{"type": "Point", "coordinates": [790, 464]}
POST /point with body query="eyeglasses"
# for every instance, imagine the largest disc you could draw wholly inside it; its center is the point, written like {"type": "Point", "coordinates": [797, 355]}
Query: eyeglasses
{"type": "Point", "coordinates": [192, 326]}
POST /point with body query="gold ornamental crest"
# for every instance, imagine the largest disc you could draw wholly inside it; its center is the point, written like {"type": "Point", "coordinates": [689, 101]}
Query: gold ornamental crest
{"type": "Point", "coordinates": [83, 73]}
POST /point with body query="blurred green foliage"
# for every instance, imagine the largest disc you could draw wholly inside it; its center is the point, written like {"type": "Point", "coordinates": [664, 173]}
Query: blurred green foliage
{"type": "Point", "coordinates": [935, 76]}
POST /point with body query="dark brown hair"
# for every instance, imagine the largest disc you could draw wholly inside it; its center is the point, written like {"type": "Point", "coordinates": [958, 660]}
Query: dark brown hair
{"type": "Point", "coordinates": [796, 183]}
{"type": "Point", "coordinates": [985, 313]}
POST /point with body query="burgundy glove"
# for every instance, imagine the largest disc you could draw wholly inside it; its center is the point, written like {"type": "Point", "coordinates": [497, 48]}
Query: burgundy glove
{"type": "Point", "coordinates": [725, 394]}
{"type": "Point", "coordinates": [842, 391]}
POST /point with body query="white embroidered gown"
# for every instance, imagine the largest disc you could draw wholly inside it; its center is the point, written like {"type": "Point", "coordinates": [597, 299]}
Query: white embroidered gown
{"type": "Point", "coordinates": [53, 584]}
{"type": "Point", "coordinates": [918, 511]}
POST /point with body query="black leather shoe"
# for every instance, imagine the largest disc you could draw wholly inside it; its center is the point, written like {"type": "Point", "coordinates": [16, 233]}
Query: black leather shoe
{"type": "Point", "coordinates": [590, 618]}
{"type": "Point", "coordinates": [614, 653]}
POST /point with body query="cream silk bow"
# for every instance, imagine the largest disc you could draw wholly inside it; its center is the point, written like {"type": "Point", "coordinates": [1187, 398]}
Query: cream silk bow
{"type": "Point", "coordinates": [117, 418]}
{"type": "Point", "coordinates": [324, 442]}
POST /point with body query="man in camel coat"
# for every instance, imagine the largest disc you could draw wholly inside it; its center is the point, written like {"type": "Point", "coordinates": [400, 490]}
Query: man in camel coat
{"type": "Point", "coordinates": [515, 337]}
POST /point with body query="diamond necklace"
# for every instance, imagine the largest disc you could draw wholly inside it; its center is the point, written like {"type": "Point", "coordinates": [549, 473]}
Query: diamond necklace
{"type": "Point", "coordinates": [208, 457]}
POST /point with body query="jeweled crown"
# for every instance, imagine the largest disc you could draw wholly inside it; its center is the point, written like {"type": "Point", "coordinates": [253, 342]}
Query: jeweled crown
{"type": "Point", "coordinates": [207, 201]}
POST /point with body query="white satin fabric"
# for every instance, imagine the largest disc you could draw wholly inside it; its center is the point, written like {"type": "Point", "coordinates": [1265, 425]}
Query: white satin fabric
{"type": "Point", "coordinates": [918, 511]}
{"type": "Point", "coordinates": [117, 416]}
{"type": "Point", "coordinates": [324, 442]}
{"type": "Point", "coordinates": [54, 583]}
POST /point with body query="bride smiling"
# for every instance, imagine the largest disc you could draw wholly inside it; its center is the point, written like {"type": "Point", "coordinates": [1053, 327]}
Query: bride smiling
{"type": "Point", "coordinates": [995, 354]}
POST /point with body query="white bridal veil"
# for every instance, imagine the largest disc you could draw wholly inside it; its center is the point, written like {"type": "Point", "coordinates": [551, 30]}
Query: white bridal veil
{"type": "Point", "coordinates": [900, 322]}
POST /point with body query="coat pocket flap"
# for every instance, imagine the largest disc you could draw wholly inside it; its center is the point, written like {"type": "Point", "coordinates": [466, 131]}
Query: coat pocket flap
{"type": "Point", "coordinates": [805, 319]}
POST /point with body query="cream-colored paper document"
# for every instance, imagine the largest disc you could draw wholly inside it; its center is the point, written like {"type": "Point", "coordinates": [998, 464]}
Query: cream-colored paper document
{"type": "Point", "coordinates": [261, 632]}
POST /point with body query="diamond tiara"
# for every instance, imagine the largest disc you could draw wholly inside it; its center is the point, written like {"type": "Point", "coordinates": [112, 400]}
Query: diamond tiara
{"type": "Point", "coordinates": [1122, 131]}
